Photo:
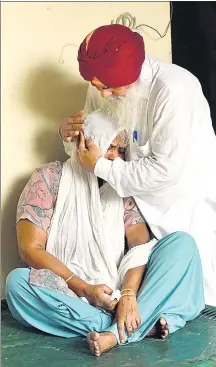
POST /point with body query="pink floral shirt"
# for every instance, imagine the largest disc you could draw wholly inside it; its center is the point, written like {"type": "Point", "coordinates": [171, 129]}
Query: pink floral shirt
{"type": "Point", "coordinates": [38, 199]}
{"type": "Point", "coordinates": [39, 196]}
{"type": "Point", "coordinates": [37, 203]}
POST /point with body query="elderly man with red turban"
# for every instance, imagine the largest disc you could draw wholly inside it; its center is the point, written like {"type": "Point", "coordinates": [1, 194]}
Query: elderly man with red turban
{"type": "Point", "coordinates": [170, 168]}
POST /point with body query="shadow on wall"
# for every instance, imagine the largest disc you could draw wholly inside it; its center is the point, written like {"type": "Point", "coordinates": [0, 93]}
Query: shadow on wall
{"type": "Point", "coordinates": [50, 94]}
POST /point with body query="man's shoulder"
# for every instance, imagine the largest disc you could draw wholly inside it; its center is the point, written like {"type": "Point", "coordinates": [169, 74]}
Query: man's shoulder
{"type": "Point", "coordinates": [171, 79]}
{"type": "Point", "coordinates": [167, 67]}
{"type": "Point", "coordinates": [171, 74]}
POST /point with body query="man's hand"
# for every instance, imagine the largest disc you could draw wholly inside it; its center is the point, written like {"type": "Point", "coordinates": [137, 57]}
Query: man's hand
{"type": "Point", "coordinates": [71, 126]}
{"type": "Point", "coordinates": [127, 316]}
{"type": "Point", "coordinates": [88, 153]}
{"type": "Point", "coordinates": [97, 296]}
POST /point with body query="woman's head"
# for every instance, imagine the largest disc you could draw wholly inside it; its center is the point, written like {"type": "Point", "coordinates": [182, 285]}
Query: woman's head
{"type": "Point", "coordinates": [117, 148]}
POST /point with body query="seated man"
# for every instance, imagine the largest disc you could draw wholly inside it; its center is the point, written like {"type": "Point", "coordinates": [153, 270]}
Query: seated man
{"type": "Point", "coordinates": [76, 264]}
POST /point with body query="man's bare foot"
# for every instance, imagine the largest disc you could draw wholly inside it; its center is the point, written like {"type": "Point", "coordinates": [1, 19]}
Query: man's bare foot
{"type": "Point", "coordinates": [100, 342]}
{"type": "Point", "coordinates": [160, 330]}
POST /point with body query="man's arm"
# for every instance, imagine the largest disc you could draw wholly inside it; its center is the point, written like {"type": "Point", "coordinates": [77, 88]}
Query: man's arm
{"type": "Point", "coordinates": [170, 140]}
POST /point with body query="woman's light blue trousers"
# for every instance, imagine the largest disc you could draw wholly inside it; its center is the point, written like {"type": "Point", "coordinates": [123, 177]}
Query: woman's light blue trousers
{"type": "Point", "coordinates": [172, 288]}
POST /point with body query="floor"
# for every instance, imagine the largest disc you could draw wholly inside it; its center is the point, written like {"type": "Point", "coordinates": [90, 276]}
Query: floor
{"type": "Point", "coordinates": [193, 346]}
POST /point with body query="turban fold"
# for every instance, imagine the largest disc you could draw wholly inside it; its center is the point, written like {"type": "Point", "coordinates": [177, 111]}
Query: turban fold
{"type": "Point", "coordinates": [114, 56]}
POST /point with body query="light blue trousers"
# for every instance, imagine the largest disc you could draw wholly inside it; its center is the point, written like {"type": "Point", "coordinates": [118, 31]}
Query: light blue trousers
{"type": "Point", "coordinates": [172, 288]}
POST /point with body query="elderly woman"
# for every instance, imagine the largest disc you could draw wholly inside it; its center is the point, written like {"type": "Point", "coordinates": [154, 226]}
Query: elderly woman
{"type": "Point", "coordinates": [80, 279]}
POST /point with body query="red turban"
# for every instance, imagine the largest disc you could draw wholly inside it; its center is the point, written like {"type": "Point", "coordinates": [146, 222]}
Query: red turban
{"type": "Point", "coordinates": [114, 56]}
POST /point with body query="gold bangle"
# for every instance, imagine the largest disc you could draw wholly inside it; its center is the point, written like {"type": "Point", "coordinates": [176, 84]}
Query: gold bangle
{"type": "Point", "coordinates": [128, 295]}
{"type": "Point", "coordinates": [128, 290]}
{"type": "Point", "coordinates": [72, 276]}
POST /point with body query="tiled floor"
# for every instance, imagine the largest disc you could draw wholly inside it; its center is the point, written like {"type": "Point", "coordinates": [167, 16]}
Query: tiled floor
{"type": "Point", "coordinates": [193, 346]}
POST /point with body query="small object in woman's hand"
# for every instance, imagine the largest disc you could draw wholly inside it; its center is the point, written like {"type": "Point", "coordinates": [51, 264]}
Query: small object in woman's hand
{"type": "Point", "coordinates": [115, 295]}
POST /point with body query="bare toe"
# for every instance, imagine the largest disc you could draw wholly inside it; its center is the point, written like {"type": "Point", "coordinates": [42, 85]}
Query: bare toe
{"type": "Point", "coordinates": [93, 342]}
{"type": "Point", "coordinates": [99, 343]}
{"type": "Point", "coordinates": [164, 328]}
{"type": "Point", "coordinates": [163, 321]}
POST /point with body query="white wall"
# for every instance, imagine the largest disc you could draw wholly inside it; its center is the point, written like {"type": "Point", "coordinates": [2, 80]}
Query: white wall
{"type": "Point", "coordinates": [38, 90]}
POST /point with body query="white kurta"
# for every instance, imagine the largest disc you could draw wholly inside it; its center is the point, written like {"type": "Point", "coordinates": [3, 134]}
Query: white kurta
{"type": "Point", "coordinates": [172, 169]}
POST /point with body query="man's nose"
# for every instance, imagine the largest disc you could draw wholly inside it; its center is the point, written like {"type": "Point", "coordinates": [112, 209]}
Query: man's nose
{"type": "Point", "coordinates": [106, 93]}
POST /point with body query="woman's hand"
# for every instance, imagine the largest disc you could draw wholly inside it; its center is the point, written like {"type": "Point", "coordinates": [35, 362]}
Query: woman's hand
{"type": "Point", "coordinates": [127, 316]}
{"type": "Point", "coordinates": [97, 296]}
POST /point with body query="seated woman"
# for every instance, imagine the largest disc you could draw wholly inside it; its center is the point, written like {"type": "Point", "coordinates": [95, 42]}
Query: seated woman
{"type": "Point", "coordinates": [71, 234]}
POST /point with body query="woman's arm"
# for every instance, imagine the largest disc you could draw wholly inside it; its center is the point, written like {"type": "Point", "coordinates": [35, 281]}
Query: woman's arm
{"type": "Point", "coordinates": [136, 230]}
{"type": "Point", "coordinates": [32, 242]}
{"type": "Point", "coordinates": [133, 278]}
{"type": "Point", "coordinates": [127, 314]}
{"type": "Point", "coordinates": [137, 234]}
{"type": "Point", "coordinates": [34, 214]}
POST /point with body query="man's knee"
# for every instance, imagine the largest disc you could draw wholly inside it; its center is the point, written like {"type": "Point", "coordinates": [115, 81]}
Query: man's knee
{"type": "Point", "coordinates": [15, 281]}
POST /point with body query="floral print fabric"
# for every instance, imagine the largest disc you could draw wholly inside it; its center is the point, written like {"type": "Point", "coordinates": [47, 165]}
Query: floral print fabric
{"type": "Point", "coordinates": [37, 203]}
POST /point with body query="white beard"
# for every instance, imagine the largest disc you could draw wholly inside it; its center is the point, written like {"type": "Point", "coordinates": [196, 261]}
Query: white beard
{"type": "Point", "coordinates": [122, 109]}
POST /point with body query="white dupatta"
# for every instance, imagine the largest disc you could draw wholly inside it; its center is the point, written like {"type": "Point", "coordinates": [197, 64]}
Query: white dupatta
{"type": "Point", "coordinates": [87, 229]}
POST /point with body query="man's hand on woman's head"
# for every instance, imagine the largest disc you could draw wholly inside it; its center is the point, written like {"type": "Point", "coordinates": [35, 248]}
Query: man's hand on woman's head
{"type": "Point", "coordinates": [71, 126]}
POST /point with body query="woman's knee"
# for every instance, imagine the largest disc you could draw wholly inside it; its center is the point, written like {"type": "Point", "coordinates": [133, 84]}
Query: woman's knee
{"type": "Point", "coordinates": [178, 244]}
{"type": "Point", "coordinates": [184, 243]}
{"type": "Point", "coordinates": [16, 280]}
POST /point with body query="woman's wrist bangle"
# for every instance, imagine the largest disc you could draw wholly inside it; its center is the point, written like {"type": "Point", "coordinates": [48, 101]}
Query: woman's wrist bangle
{"type": "Point", "coordinates": [72, 276]}
{"type": "Point", "coordinates": [128, 290]}
{"type": "Point", "coordinates": [128, 295]}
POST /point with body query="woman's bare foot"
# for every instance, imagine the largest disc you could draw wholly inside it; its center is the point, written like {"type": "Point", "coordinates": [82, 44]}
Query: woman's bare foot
{"type": "Point", "coordinates": [160, 330]}
{"type": "Point", "coordinates": [100, 342]}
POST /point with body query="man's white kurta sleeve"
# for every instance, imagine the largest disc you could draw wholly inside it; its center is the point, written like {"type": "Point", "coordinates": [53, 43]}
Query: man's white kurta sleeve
{"type": "Point", "coordinates": [169, 141]}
